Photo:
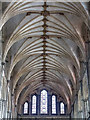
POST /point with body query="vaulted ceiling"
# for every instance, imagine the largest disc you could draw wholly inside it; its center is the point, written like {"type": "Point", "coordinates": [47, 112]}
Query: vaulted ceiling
{"type": "Point", "coordinates": [44, 45]}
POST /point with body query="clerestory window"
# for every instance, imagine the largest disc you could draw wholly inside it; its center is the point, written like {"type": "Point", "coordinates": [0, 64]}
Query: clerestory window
{"type": "Point", "coordinates": [62, 108]}
{"type": "Point", "coordinates": [44, 102]}
{"type": "Point", "coordinates": [53, 104]}
{"type": "Point", "coordinates": [34, 104]}
{"type": "Point", "coordinates": [26, 106]}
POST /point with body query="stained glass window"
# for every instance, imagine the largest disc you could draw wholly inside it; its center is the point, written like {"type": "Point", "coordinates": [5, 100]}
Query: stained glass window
{"type": "Point", "coordinates": [43, 106]}
{"type": "Point", "coordinates": [53, 104]}
{"type": "Point", "coordinates": [34, 104]}
{"type": "Point", "coordinates": [26, 108]}
{"type": "Point", "coordinates": [62, 108]}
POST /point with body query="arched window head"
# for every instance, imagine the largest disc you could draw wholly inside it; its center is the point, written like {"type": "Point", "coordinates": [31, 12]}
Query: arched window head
{"type": "Point", "coordinates": [62, 108]}
{"type": "Point", "coordinates": [34, 104]}
{"type": "Point", "coordinates": [26, 108]}
{"type": "Point", "coordinates": [44, 102]}
{"type": "Point", "coordinates": [53, 104]}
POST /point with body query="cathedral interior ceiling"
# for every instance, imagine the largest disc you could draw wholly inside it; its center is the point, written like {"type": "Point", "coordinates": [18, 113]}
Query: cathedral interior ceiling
{"type": "Point", "coordinates": [42, 39]}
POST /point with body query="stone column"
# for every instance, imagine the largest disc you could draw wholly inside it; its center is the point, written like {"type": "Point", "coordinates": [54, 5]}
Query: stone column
{"type": "Point", "coordinates": [88, 74]}
{"type": "Point", "coordinates": [30, 105]}
{"type": "Point", "coordinates": [3, 82]}
{"type": "Point", "coordinates": [72, 112]}
{"type": "Point", "coordinates": [76, 107]}
{"type": "Point", "coordinates": [49, 105]}
{"type": "Point", "coordinates": [87, 104]}
{"type": "Point", "coordinates": [1, 65]}
{"type": "Point", "coordinates": [12, 104]}
{"type": "Point", "coordinates": [15, 111]}
{"type": "Point", "coordinates": [80, 103]}
{"type": "Point", "coordinates": [88, 63]}
{"type": "Point", "coordinates": [85, 94]}
{"type": "Point", "coordinates": [38, 104]}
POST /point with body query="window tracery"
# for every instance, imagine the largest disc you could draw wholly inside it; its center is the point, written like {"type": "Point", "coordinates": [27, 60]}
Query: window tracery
{"type": "Point", "coordinates": [53, 104]}
{"type": "Point", "coordinates": [43, 103]}
{"type": "Point", "coordinates": [34, 104]}
{"type": "Point", "coordinates": [62, 108]}
{"type": "Point", "coordinates": [26, 108]}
